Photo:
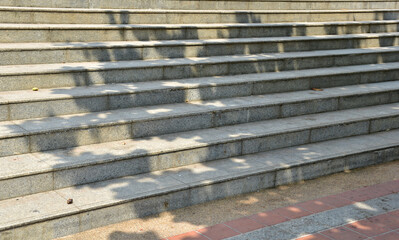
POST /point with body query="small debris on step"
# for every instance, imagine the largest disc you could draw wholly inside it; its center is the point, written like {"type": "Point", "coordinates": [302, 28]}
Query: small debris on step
{"type": "Point", "coordinates": [317, 89]}
{"type": "Point", "coordinates": [35, 89]}
{"type": "Point", "coordinates": [70, 201]}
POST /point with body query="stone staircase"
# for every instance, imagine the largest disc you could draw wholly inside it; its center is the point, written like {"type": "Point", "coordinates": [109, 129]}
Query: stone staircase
{"type": "Point", "coordinates": [146, 106]}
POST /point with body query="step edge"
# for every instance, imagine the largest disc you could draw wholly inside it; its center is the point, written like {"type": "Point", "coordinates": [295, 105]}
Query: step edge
{"type": "Point", "coordinates": [114, 10]}
{"type": "Point", "coordinates": [161, 63]}
{"type": "Point", "coordinates": [16, 26]}
{"type": "Point", "coordinates": [186, 42]}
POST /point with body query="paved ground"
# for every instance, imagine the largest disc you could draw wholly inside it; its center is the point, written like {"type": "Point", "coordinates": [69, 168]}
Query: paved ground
{"type": "Point", "coordinates": [366, 213]}
{"type": "Point", "coordinates": [191, 219]}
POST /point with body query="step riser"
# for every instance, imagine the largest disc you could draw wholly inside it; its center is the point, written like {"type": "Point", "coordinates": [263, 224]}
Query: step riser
{"type": "Point", "coordinates": [134, 34]}
{"type": "Point", "coordinates": [32, 109]}
{"type": "Point", "coordinates": [17, 16]}
{"type": "Point", "coordinates": [246, 145]}
{"type": "Point", "coordinates": [41, 56]}
{"type": "Point", "coordinates": [190, 70]}
{"type": "Point", "coordinates": [139, 208]}
{"type": "Point", "coordinates": [205, 5]}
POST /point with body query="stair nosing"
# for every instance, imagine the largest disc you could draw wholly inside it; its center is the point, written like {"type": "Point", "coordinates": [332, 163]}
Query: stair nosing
{"type": "Point", "coordinates": [113, 10]}
{"type": "Point", "coordinates": [22, 26]}
{"type": "Point", "coordinates": [38, 46]}
{"type": "Point", "coordinates": [59, 68]}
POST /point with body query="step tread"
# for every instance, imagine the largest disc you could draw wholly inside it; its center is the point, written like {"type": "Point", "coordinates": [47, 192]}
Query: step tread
{"type": "Point", "coordinates": [29, 26]}
{"type": "Point", "coordinates": [11, 70]}
{"type": "Point", "coordinates": [44, 206]}
{"type": "Point", "coordinates": [148, 113]}
{"type": "Point", "coordinates": [22, 96]}
{"type": "Point", "coordinates": [33, 163]}
{"type": "Point", "coordinates": [195, 42]}
{"type": "Point", "coordinates": [112, 10]}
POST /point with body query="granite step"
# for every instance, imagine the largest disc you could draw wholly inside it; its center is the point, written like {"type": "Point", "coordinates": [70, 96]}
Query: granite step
{"type": "Point", "coordinates": [48, 216]}
{"type": "Point", "coordinates": [18, 105]}
{"type": "Point", "coordinates": [91, 162]}
{"type": "Point", "coordinates": [151, 16]}
{"type": "Point", "coordinates": [41, 53]}
{"type": "Point", "coordinates": [146, 106]}
{"type": "Point", "coordinates": [208, 4]}
{"type": "Point", "coordinates": [23, 77]}
{"type": "Point", "coordinates": [22, 33]}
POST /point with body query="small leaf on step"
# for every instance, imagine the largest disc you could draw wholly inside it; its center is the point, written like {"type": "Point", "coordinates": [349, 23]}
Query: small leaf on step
{"type": "Point", "coordinates": [317, 89]}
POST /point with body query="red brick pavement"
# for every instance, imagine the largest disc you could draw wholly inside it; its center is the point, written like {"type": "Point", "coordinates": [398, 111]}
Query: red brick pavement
{"type": "Point", "coordinates": [382, 227]}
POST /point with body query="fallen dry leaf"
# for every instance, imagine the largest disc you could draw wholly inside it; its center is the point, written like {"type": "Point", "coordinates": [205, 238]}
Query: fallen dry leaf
{"type": "Point", "coordinates": [317, 89]}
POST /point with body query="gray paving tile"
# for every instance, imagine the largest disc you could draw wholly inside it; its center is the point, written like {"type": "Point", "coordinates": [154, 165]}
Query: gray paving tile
{"type": "Point", "coordinates": [303, 226]}
{"type": "Point", "coordinates": [384, 204]}
{"type": "Point", "coordinates": [265, 233]}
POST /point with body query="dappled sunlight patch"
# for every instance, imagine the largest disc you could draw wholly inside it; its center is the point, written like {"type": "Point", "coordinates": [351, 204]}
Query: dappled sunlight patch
{"type": "Point", "coordinates": [240, 135]}
{"type": "Point", "coordinates": [293, 209]}
{"type": "Point", "coordinates": [249, 200]}
{"type": "Point", "coordinates": [364, 206]}
{"type": "Point", "coordinates": [213, 103]}
{"type": "Point", "coordinates": [147, 180]}
{"type": "Point", "coordinates": [242, 161]}
{"type": "Point", "coordinates": [302, 149]}
{"type": "Point", "coordinates": [159, 110]}
{"type": "Point", "coordinates": [201, 168]}
{"type": "Point", "coordinates": [272, 163]}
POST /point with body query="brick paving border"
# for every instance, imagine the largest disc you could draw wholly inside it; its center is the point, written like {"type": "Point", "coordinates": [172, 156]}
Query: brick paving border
{"type": "Point", "coordinates": [381, 227]}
